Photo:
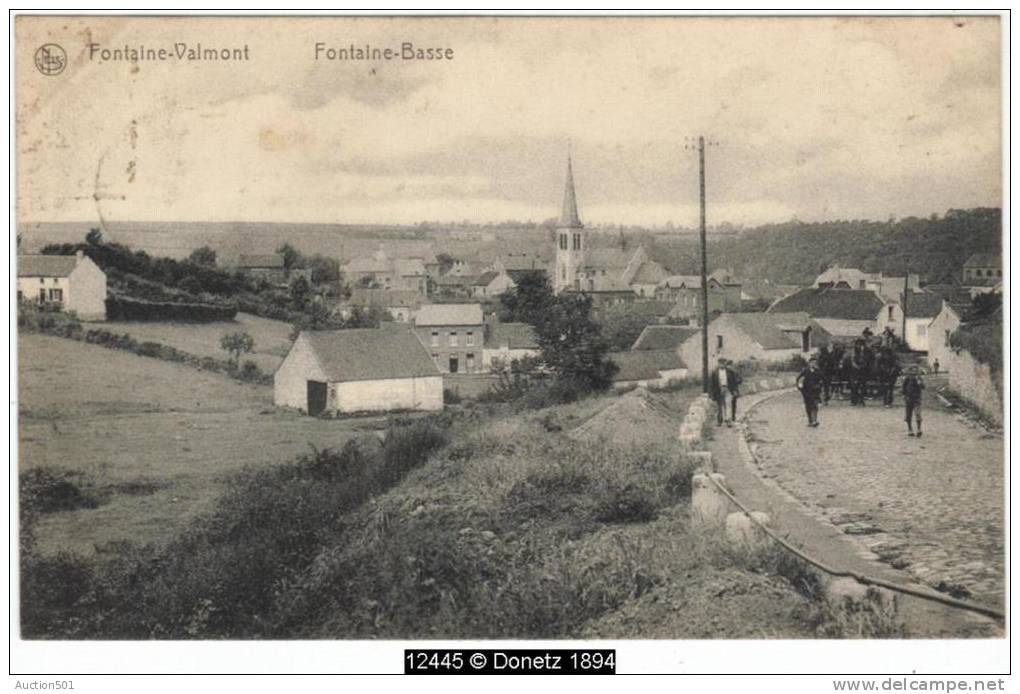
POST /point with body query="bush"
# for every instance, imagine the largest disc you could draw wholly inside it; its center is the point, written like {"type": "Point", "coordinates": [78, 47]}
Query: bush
{"type": "Point", "coordinates": [451, 397]}
{"type": "Point", "coordinates": [632, 504]}
{"type": "Point", "coordinates": [50, 490]}
{"type": "Point", "coordinates": [127, 309]}
{"type": "Point", "coordinates": [250, 372]}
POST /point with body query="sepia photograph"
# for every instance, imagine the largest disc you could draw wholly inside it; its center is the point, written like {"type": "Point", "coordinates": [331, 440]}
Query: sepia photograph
{"type": "Point", "coordinates": [509, 330]}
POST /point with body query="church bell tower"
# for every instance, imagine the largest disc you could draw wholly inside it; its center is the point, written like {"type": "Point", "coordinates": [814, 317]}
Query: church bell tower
{"type": "Point", "coordinates": [570, 238]}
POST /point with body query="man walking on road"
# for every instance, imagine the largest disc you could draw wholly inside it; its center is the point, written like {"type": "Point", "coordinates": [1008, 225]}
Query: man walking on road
{"type": "Point", "coordinates": [724, 385]}
{"type": "Point", "coordinates": [912, 389]}
{"type": "Point", "coordinates": [809, 383]}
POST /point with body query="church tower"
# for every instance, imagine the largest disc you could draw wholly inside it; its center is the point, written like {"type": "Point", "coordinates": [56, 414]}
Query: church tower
{"type": "Point", "coordinates": [571, 243]}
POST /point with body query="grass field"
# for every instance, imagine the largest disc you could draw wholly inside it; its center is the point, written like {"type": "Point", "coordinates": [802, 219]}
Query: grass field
{"type": "Point", "coordinates": [272, 337]}
{"type": "Point", "coordinates": [122, 419]}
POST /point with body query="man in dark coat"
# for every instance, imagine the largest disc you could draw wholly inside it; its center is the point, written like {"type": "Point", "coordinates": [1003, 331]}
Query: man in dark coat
{"type": "Point", "coordinates": [913, 386]}
{"type": "Point", "coordinates": [888, 368]}
{"type": "Point", "coordinates": [724, 385]}
{"type": "Point", "coordinates": [810, 383]}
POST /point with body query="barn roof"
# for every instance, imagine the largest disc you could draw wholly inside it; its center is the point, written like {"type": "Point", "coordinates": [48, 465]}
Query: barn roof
{"type": "Point", "coordinates": [270, 260]}
{"type": "Point", "coordinates": [646, 365]}
{"type": "Point", "coordinates": [656, 337]}
{"type": "Point", "coordinates": [513, 335]}
{"type": "Point", "coordinates": [778, 330]}
{"type": "Point", "coordinates": [449, 314]}
{"type": "Point", "coordinates": [46, 265]}
{"type": "Point", "coordinates": [837, 304]}
{"type": "Point", "coordinates": [369, 354]}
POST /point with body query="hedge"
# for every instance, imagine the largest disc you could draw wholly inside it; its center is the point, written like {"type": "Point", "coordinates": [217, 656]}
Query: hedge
{"type": "Point", "coordinates": [123, 308]}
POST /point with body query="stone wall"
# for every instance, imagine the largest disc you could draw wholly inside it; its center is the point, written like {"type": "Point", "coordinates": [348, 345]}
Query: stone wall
{"type": "Point", "coordinates": [972, 380]}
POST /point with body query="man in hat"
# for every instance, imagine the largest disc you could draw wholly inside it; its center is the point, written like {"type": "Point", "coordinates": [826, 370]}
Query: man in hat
{"type": "Point", "coordinates": [810, 383]}
{"type": "Point", "coordinates": [913, 386]}
{"type": "Point", "coordinates": [724, 388]}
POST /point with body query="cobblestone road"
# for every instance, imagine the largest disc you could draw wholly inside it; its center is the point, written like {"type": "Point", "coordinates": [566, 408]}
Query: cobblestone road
{"type": "Point", "coordinates": [932, 506]}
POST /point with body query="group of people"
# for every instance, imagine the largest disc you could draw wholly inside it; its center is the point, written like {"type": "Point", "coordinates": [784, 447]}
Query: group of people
{"type": "Point", "coordinates": [869, 360]}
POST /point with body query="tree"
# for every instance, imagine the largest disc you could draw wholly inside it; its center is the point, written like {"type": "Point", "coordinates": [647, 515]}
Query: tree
{"type": "Point", "coordinates": [446, 261]}
{"type": "Point", "coordinates": [236, 344]}
{"type": "Point", "coordinates": [324, 270]}
{"type": "Point", "coordinates": [572, 344]}
{"type": "Point", "coordinates": [94, 237]}
{"type": "Point", "coordinates": [291, 257]}
{"type": "Point", "coordinates": [204, 256]}
{"type": "Point", "coordinates": [300, 294]}
{"type": "Point", "coordinates": [529, 301]}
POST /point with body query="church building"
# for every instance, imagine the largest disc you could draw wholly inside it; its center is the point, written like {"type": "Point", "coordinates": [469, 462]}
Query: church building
{"type": "Point", "coordinates": [608, 274]}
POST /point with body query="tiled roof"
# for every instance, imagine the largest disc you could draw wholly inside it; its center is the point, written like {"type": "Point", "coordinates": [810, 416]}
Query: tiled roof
{"type": "Point", "coordinates": [607, 258]}
{"type": "Point", "coordinates": [449, 314]}
{"type": "Point", "coordinates": [650, 272]}
{"type": "Point", "coordinates": [656, 337]}
{"type": "Point", "coordinates": [993, 260]}
{"type": "Point", "coordinates": [370, 354]}
{"type": "Point", "coordinates": [764, 289]}
{"type": "Point", "coordinates": [645, 365]}
{"type": "Point", "coordinates": [512, 335]}
{"type": "Point", "coordinates": [516, 262]}
{"type": "Point", "coordinates": [46, 265]}
{"type": "Point", "coordinates": [688, 281]}
{"type": "Point", "coordinates": [271, 260]}
{"type": "Point", "coordinates": [778, 330]}
{"type": "Point", "coordinates": [484, 279]}
{"type": "Point", "coordinates": [385, 298]}
{"type": "Point", "coordinates": [923, 305]}
{"type": "Point", "coordinates": [837, 304]}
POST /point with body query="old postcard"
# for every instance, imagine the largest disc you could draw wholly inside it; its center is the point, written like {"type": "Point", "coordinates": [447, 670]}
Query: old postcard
{"type": "Point", "coordinates": [670, 330]}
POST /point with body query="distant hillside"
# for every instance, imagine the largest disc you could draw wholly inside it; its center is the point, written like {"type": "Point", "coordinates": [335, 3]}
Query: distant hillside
{"type": "Point", "coordinates": [796, 253]}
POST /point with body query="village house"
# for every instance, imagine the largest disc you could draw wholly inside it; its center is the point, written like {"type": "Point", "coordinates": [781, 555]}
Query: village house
{"type": "Point", "coordinates": [921, 309]}
{"type": "Point", "coordinates": [519, 264]}
{"type": "Point", "coordinates": [491, 284]}
{"type": "Point", "coordinates": [765, 337]}
{"type": "Point", "coordinates": [412, 250]}
{"type": "Point", "coordinates": [400, 304]}
{"type": "Point", "coordinates": [844, 313]}
{"type": "Point", "coordinates": [647, 368]}
{"type": "Point", "coordinates": [888, 288]}
{"type": "Point", "coordinates": [269, 267]}
{"type": "Point", "coordinates": [361, 370]}
{"type": "Point", "coordinates": [453, 334]}
{"type": "Point", "coordinates": [684, 292]}
{"type": "Point", "coordinates": [605, 274]}
{"type": "Point", "coordinates": [982, 273]}
{"type": "Point", "coordinates": [68, 282]}
{"type": "Point", "coordinates": [506, 342]}
{"type": "Point", "coordinates": [940, 330]}
{"type": "Point", "coordinates": [381, 271]}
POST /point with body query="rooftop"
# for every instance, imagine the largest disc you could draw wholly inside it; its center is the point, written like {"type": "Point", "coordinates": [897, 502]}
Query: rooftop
{"type": "Point", "coordinates": [511, 336]}
{"type": "Point", "coordinates": [657, 337]}
{"type": "Point", "coordinates": [369, 354]}
{"type": "Point", "coordinates": [646, 365]}
{"type": "Point", "coordinates": [779, 330]}
{"type": "Point", "coordinates": [46, 265]}
{"type": "Point", "coordinates": [837, 304]}
{"type": "Point", "coordinates": [449, 314]}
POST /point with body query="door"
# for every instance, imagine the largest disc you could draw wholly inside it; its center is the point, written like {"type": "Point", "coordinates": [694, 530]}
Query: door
{"type": "Point", "coordinates": [316, 398]}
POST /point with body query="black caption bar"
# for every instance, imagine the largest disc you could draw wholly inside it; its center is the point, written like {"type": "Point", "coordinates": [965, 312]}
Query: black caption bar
{"type": "Point", "coordinates": [514, 661]}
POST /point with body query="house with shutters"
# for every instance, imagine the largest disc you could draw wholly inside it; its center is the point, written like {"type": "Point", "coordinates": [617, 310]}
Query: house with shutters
{"type": "Point", "coordinates": [66, 282]}
{"type": "Point", "coordinates": [453, 335]}
{"type": "Point", "coordinates": [361, 370]}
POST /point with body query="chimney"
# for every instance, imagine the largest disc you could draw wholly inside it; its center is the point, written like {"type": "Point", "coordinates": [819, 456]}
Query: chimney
{"type": "Point", "coordinates": [79, 255]}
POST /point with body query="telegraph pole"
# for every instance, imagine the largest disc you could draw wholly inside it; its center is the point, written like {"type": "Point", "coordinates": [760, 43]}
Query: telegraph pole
{"type": "Point", "coordinates": [704, 269]}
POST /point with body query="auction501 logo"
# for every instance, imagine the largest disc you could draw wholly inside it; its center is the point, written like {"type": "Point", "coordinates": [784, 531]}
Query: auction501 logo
{"type": "Point", "coordinates": [50, 59]}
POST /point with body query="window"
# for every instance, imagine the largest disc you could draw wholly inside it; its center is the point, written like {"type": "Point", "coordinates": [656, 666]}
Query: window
{"type": "Point", "coordinates": [805, 341]}
{"type": "Point", "coordinates": [718, 343]}
{"type": "Point", "coordinates": [998, 273]}
{"type": "Point", "coordinates": [470, 363]}
{"type": "Point", "coordinates": [470, 341]}
{"type": "Point", "coordinates": [435, 338]}
{"type": "Point", "coordinates": [577, 242]}
{"type": "Point", "coordinates": [453, 338]}
{"type": "Point", "coordinates": [890, 313]}
{"type": "Point", "coordinates": [454, 365]}
{"type": "Point", "coordinates": [42, 280]}
{"type": "Point", "coordinates": [57, 295]}
{"type": "Point", "coordinates": [563, 242]}
{"type": "Point", "coordinates": [947, 338]}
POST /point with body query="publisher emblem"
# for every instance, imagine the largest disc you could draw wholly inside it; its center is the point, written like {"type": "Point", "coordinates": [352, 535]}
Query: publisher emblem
{"type": "Point", "coordinates": [50, 59]}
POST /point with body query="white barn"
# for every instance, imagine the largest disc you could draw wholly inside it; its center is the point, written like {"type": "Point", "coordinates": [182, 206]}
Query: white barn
{"type": "Point", "coordinates": [70, 282]}
{"type": "Point", "coordinates": [363, 370]}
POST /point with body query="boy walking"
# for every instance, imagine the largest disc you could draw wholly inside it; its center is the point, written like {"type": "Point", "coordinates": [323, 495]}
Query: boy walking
{"type": "Point", "coordinates": [913, 386]}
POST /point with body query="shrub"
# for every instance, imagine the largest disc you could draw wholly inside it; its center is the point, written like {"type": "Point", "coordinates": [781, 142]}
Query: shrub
{"type": "Point", "coordinates": [49, 490]}
{"type": "Point", "coordinates": [451, 397]}
{"type": "Point", "coordinates": [129, 309]}
{"type": "Point", "coordinates": [631, 504]}
{"type": "Point", "coordinates": [250, 371]}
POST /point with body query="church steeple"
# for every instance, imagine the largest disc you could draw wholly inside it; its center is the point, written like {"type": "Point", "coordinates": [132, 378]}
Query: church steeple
{"type": "Point", "coordinates": [569, 218]}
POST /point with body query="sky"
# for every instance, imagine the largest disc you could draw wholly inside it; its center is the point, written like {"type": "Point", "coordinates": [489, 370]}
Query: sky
{"type": "Point", "coordinates": [814, 118]}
